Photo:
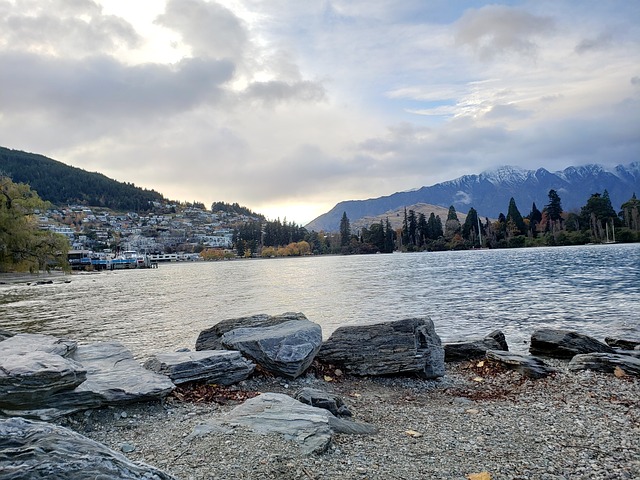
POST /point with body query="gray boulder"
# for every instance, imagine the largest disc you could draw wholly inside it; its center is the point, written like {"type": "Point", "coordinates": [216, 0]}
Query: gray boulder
{"type": "Point", "coordinates": [390, 348]}
{"type": "Point", "coordinates": [41, 450]}
{"type": "Point", "coordinates": [528, 366]}
{"type": "Point", "coordinates": [321, 399]}
{"type": "Point", "coordinates": [36, 342]}
{"type": "Point", "coordinates": [113, 376]}
{"type": "Point", "coordinates": [474, 349]}
{"type": "Point", "coordinates": [312, 428]}
{"type": "Point", "coordinates": [622, 343]}
{"type": "Point", "coordinates": [4, 334]}
{"type": "Point", "coordinates": [210, 339]}
{"type": "Point", "coordinates": [285, 349]}
{"type": "Point", "coordinates": [223, 367]}
{"type": "Point", "coordinates": [548, 342]}
{"type": "Point", "coordinates": [29, 379]}
{"type": "Point", "coordinates": [606, 362]}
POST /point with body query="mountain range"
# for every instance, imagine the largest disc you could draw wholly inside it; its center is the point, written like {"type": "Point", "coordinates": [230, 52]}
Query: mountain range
{"type": "Point", "coordinates": [489, 192]}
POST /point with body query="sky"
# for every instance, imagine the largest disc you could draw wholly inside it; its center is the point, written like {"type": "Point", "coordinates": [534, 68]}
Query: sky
{"type": "Point", "coordinates": [290, 107]}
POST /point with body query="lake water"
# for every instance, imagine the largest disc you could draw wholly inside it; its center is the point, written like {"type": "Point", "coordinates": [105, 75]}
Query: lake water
{"type": "Point", "coordinates": [592, 289]}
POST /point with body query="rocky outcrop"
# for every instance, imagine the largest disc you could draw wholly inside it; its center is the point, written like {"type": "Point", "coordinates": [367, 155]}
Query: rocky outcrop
{"type": "Point", "coordinates": [531, 367]}
{"type": "Point", "coordinates": [35, 382]}
{"type": "Point", "coordinates": [607, 363]}
{"type": "Point", "coordinates": [210, 339]}
{"type": "Point", "coordinates": [474, 349]}
{"type": "Point", "coordinates": [389, 348]}
{"type": "Point", "coordinates": [622, 343]}
{"type": "Point", "coordinates": [321, 399]}
{"type": "Point", "coordinates": [30, 379]}
{"type": "Point", "coordinates": [41, 450]}
{"type": "Point", "coordinates": [312, 428]}
{"type": "Point", "coordinates": [548, 342]}
{"type": "Point", "coordinates": [286, 349]}
{"type": "Point", "coordinates": [222, 367]}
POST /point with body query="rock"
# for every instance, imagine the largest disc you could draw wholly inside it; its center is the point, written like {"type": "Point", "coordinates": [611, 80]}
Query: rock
{"type": "Point", "coordinates": [4, 334]}
{"type": "Point", "coordinates": [389, 348]}
{"type": "Point", "coordinates": [474, 349]}
{"type": "Point", "coordinates": [222, 367]}
{"type": "Point", "coordinates": [312, 428]}
{"type": "Point", "coordinates": [321, 399]}
{"type": "Point", "coordinates": [210, 339]}
{"type": "Point", "coordinates": [29, 379]}
{"type": "Point", "coordinates": [622, 343]}
{"type": "Point", "coordinates": [528, 366]}
{"type": "Point", "coordinates": [285, 349]}
{"type": "Point", "coordinates": [606, 362]}
{"type": "Point", "coordinates": [31, 342]}
{"type": "Point", "coordinates": [113, 376]}
{"type": "Point", "coordinates": [550, 342]}
{"type": "Point", "coordinates": [41, 450]}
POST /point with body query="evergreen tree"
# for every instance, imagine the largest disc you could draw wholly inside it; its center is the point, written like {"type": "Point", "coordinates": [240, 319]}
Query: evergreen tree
{"type": "Point", "coordinates": [470, 227]}
{"type": "Point", "coordinates": [413, 225]}
{"type": "Point", "coordinates": [452, 215]}
{"type": "Point", "coordinates": [389, 237]}
{"type": "Point", "coordinates": [631, 213]}
{"type": "Point", "coordinates": [345, 230]}
{"type": "Point", "coordinates": [452, 226]}
{"type": "Point", "coordinates": [422, 229]}
{"type": "Point", "coordinates": [553, 209]}
{"type": "Point", "coordinates": [535, 217]}
{"type": "Point", "coordinates": [405, 229]}
{"type": "Point", "coordinates": [515, 219]}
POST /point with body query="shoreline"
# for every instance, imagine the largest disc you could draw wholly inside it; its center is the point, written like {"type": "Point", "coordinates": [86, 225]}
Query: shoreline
{"type": "Point", "coordinates": [474, 420]}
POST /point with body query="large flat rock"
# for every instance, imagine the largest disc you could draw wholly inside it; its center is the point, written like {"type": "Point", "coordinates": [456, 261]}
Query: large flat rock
{"type": "Point", "coordinates": [211, 338]}
{"type": "Point", "coordinates": [222, 367]}
{"type": "Point", "coordinates": [37, 450]}
{"type": "Point", "coordinates": [29, 379]}
{"type": "Point", "coordinates": [37, 342]}
{"type": "Point", "coordinates": [607, 363]}
{"type": "Point", "coordinates": [286, 349]}
{"type": "Point", "coordinates": [474, 348]}
{"type": "Point", "coordinates": [312, 428]}
{"type": "Point", "coordinates": [389, 348]}
{"type": "Point", "coordinates": [113, 376]}
{"type": "Point", "coordinates": [556, 343]}
{"type": "Point", "coordinates": [526, 365]}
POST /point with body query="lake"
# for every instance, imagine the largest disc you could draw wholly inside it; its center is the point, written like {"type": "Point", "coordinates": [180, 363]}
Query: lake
{"type": "Point", "coordinates": [592, 289]}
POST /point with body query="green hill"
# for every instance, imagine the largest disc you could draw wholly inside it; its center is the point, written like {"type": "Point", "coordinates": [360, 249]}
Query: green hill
{"type": "Point", "coordinates": [61, 184]}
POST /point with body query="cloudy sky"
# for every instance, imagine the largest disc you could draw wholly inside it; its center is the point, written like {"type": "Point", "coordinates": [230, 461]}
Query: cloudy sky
{"type": "Point", "coordinates": [289, 106]}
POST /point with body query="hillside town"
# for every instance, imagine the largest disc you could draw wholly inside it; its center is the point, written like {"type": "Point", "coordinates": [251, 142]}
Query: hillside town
{"type": "Point", "coordinates": [171, 231]}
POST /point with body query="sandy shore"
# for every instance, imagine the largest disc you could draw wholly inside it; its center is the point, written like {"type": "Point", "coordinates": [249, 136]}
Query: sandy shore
{"type": "Point", "coordinates": [568, 426]}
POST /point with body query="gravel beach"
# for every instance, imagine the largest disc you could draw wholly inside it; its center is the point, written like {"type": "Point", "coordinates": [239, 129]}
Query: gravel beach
{"type": "Point", "coordinates": [474, 423]}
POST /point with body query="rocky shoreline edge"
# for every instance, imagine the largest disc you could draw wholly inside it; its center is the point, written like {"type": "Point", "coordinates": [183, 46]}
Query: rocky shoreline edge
{"type": "Point", "coordinates": [482, 419]}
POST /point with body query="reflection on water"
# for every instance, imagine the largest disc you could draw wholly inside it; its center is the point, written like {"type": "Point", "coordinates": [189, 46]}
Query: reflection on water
{"type": "Point", "coordinates": [592, 289]}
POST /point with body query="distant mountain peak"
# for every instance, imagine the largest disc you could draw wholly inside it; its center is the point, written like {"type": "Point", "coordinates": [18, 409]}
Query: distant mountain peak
{"type": "Point", "coordinates": [490, 191]}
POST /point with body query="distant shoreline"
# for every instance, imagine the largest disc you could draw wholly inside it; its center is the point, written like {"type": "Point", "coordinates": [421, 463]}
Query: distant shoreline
{"type": "Point", "coordinates": [26, 277]}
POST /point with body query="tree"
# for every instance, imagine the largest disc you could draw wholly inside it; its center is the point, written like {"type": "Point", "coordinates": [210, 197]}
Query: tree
{"type": "Point", "coordinates": [413, 225]}
{"type": "Point", "coordinates": [535, 217]}
{"type": "Point", "coordinates": [630, 213]}
{"type": "Point", "coordinates": [345, 230]}
{"type": "Point", "coordinates": [452, 225]}
{"type": "Point", "coordinates": [553, 210]}
{"type": "Point", "coordinates": [598, 213]}
{"type": "Point", "coordinates": [23, 246]}
{"type": "Point", "coordinates": [515, 219]}
{"type": "Point", "coordinates": [470, 227]}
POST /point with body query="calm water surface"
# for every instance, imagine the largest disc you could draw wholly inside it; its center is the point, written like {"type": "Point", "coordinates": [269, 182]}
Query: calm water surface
{"type": "Point", "coordinates": [592, 289]}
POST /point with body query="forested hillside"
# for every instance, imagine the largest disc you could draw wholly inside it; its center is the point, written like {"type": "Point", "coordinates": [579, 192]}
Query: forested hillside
{"type": "Point", "coordinates": [61, 184]}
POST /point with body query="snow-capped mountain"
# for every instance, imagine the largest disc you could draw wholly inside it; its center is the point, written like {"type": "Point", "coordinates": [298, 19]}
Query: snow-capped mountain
{"type": "Point", "coordinates": [490, 191]}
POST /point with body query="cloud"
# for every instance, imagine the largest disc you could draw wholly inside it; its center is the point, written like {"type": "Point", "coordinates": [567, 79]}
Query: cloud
{"type": "Point", "coordinates": [63, 28]}
{"type": "Point", "coordinates": [497, 30]}
{"type": "Point", "coordinates": [601, 42]}
{"type": "Point", "coordinates": [210, 29]}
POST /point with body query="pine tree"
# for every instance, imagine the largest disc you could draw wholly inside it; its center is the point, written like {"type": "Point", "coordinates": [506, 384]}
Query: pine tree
{"type": "Point", "coordinates": [345, 230]}
{"type": "Point", "coordinates": [514, 218]}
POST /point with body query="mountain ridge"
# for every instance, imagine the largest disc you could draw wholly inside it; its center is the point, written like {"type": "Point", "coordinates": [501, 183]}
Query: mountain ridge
{"type": "Point", "coordinates": [489, 192]}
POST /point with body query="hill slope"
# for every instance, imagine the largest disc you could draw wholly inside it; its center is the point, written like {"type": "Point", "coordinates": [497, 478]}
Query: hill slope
{"type": "Point", "coordinates": [61, 184]}
{"type": "Point", "coordinates": [490, 191]}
